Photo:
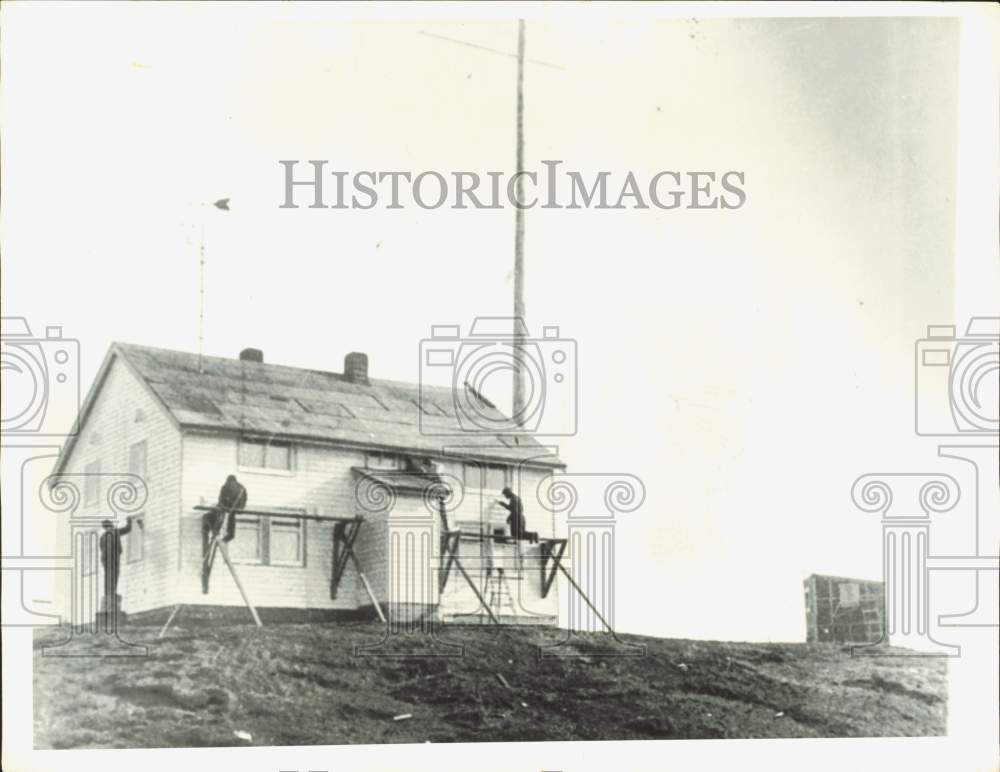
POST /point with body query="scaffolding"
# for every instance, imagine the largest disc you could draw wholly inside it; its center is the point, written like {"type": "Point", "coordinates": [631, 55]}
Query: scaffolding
{"type": "Point", "coordinates": [552, 550]}
{"type": "Point", "coordinates": [345, 534]}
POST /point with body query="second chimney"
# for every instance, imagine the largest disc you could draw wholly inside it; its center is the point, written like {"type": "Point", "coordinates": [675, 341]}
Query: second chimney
{"type": "Point", "coordinates": [252, 355]}
{"type": "Point", "coordinates": [356, 367]}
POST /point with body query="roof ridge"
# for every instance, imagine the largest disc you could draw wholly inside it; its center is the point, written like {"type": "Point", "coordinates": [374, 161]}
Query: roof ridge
{"type": "Point", "coordinates": [372, 381]}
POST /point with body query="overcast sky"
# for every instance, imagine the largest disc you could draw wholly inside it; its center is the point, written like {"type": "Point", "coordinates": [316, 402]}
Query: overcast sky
{"type": "Point", "coordinates": [747, 364]}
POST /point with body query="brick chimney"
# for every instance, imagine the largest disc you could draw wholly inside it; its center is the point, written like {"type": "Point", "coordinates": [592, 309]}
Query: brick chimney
{"type": "Point", "coordinates": [252, 355]}
{"type": "Point", "coordinates": [356, 367]}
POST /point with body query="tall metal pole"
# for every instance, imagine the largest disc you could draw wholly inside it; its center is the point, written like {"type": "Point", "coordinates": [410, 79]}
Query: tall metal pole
{"type": "Point", "coordinates": [518, 403]}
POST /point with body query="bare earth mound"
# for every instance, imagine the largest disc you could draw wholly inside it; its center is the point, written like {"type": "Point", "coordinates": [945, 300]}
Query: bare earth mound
{"type": "Point", "coordinates": [303, 685]}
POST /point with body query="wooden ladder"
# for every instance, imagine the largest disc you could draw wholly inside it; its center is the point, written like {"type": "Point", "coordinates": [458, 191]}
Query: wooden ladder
{"type": "Point", "coordinates": [498, 594]}
{"type": "Point", "coordinates": [206, 568]}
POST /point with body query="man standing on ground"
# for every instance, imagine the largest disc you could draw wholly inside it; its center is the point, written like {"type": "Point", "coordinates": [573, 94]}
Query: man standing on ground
{"type": "Point", "coordinates": [111, 552]}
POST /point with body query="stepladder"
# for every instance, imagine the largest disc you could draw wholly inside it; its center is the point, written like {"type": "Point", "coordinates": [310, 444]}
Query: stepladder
{"type": "Point", "coordinates": [498, 594]}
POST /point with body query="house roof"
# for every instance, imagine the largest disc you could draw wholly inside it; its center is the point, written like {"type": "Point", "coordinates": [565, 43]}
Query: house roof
{"type": "Point", "coordinates": [279, 402]}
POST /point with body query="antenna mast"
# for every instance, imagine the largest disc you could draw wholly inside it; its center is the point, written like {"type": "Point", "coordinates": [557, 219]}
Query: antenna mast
{"type": "Point", "coordinates": [518, 404]}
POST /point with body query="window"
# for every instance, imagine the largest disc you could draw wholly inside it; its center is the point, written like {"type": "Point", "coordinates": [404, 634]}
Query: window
{"type": "Point", "coordinates": [472, 475]}
{"type": "Point", "coordinates": [135, 539]}
{"type": "Point", "coordinates": [248, 544]}
{"type": "Point", "coordinates": [92, 484]}
{"type": "Point", "coordinates": [497, 477]}
{"type": "Point", "coordinates": [377, 460]}
{"type": "Point", "coordinates": [261, 454]}
{"type": "Point", "coordinates": [269, 540]}
{"type": "Point", "coordinates": [285, 542]}
{"type": "Point", "coordinates": [137, 459]}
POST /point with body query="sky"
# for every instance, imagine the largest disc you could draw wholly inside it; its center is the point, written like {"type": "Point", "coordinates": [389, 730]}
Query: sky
{"type": "Point", "coordinates": [747, 364]}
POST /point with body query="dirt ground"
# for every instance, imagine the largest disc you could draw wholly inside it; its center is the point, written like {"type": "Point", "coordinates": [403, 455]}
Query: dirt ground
{"type": "Point", "coordinates": [304, 685]}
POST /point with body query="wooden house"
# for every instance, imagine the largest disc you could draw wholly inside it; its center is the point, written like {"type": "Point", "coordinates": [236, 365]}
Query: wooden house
{"type": "Point", "coordinates": [310, 446]}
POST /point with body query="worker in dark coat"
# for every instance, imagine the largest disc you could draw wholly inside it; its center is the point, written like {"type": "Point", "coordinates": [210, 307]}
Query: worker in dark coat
{"type": "Point", "coordinates": [516, 517]}
{"type": "Point", "coordinates": [111, 553]}
{"type": "Point", "coordinates": [232, 498]}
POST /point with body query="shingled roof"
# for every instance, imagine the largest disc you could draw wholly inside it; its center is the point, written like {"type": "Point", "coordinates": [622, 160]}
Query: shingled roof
{"type": "Point", "coordinates": [256, 398]}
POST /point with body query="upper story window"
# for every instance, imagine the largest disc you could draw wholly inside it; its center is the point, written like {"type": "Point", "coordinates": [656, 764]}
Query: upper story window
{"type": "Point", "coordinates": [92, 484]}
{"type": "Point", "coordinates": [137, 459]}
{"type": "Point", "coordinates": [489, 477]}
{"type": "Point", "coordinates": [472, 475]}
{"type": "Point", "coordinates": [262, 454]}
{"type": "Point", "coordinates": [497, 477]}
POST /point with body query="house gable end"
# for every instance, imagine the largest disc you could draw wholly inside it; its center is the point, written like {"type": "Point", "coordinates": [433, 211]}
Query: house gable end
{"type": "Point", "coordinates": [114, 356]}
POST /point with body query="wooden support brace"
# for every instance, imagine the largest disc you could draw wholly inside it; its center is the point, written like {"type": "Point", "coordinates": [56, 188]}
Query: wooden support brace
{"type": "Point", "coordinates": [345, 533]}
{"type": "Point", "coordinates": [206, 567]}
{"type": "Point", "coordinates": [449, 542]}
{"type": "Point", "coordinates": [173, 614]}
{"type": "Point", "coordinates": [451, 547]}
{"type": "Point", "coordinates": [344, 536]}
{"type": "Point", "coordinates": [239, 585]}
{"type": "Point", "coordinates": [554, 549]}
{"type": "Point", "coordinates": [368, 588]}
{"type": "Point", "coordinates": [586, 599]}
{"type": "Point", "coordinates": [475, 589]}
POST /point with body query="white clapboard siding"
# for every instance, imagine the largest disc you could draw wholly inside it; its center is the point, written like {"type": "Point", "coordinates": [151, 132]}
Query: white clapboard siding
{"type": "Point", "coordinates": [124, 413]}
{"type": "Point", "coordinates": [321, 482]}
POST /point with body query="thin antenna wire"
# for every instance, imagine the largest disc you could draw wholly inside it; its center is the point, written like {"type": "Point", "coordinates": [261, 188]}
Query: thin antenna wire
{"type": "Point", "coordinates": [201, 297]}
{"type": "Point", "coordinates": [490, 50]}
